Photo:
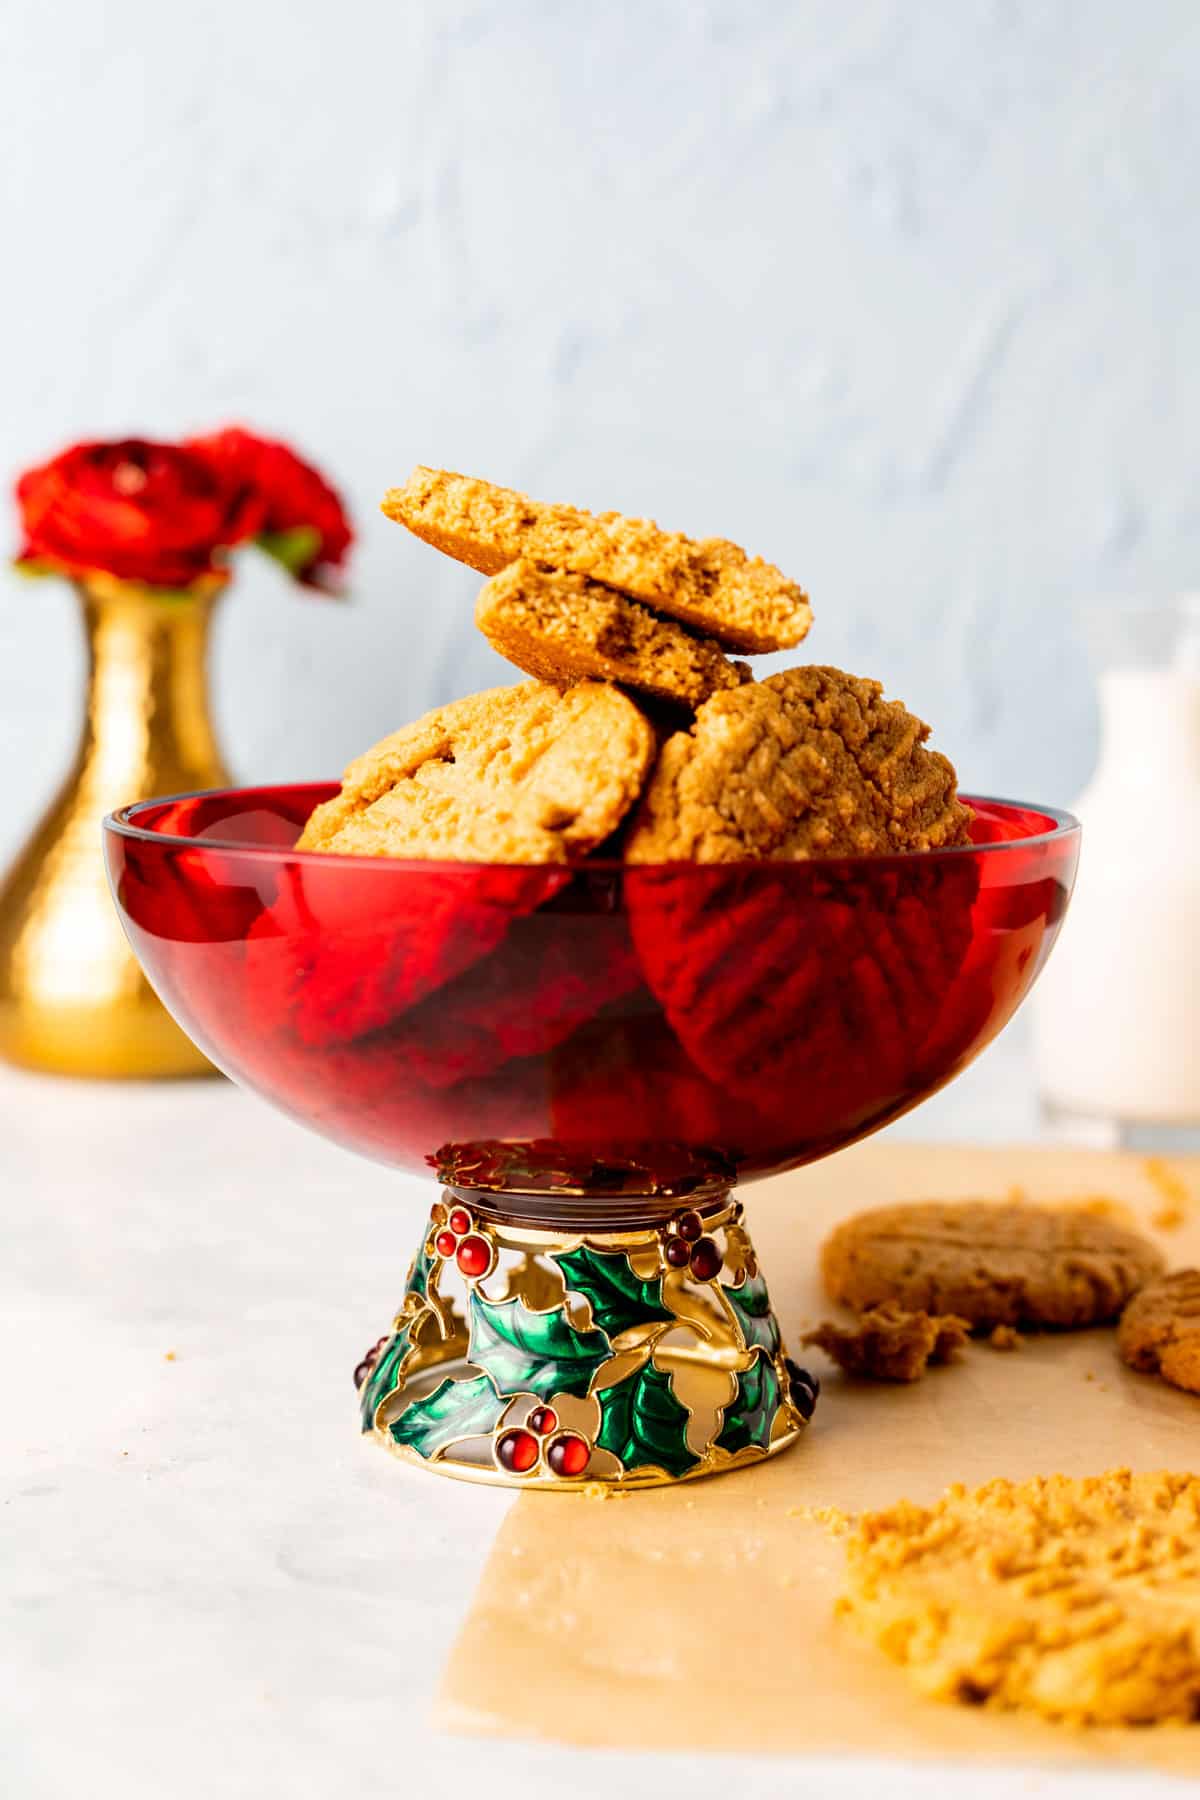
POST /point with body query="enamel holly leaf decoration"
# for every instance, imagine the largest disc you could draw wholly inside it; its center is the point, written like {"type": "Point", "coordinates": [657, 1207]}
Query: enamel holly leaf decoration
{"type": "Point", "coordinates": [529, 1352]}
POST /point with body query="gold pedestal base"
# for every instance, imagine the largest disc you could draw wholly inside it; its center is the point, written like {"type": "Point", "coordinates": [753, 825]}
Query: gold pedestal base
{"type": "Point", "coordinates": [552, 1360]}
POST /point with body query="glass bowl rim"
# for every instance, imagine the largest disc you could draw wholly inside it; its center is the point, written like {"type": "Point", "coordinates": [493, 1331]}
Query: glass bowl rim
{"type": "Point", "coordinates": [121, 823]}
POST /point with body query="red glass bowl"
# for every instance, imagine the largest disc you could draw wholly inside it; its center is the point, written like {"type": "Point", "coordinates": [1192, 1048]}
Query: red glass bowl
{"type": "Point", "coordinates": [601, 1029]}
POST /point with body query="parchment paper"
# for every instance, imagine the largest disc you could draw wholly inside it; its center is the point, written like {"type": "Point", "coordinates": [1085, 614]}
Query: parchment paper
{"type": "Point", "coordinates": [701, 1617]}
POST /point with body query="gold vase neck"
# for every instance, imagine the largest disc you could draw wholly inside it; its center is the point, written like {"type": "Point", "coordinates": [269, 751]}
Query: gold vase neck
{"type": "Point", "coordinates": [72, 997]}
{"type": "Point", "coordinates": [147, 728]}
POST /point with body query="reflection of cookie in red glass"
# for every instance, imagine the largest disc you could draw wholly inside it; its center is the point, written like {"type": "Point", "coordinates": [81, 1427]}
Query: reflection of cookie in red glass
{"type": "Point", "coordinates": [523, 1000]}
{"type": "Point", "coordinates": [190, 896]}
{"type": "Point", "coordinates": [1015, 923]}
{"type": "Point", "coordinates": [203, 893]}
{"type": "Point", "coordinates": [332, 959]}
{"type": "Point", "coordinates": [626, 1086]}
{"type": "Point", "coordinates": [825, 981]}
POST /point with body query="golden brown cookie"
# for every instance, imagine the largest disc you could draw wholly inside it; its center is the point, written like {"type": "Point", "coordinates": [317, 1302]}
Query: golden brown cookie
{"type": "Point", "coordinates": [990, 1261]}
{"type": "Point", "coordinates": [812, 762]}
{"type": "Point", "coordinates": [889, 1344]}
{"type": "Point", "coordinates": [741, 601]}
{"type": "Point", "coordinates": [1075, 1599]}
{"type": "Point", "coordinates": [566, 628]}
{"type": "Point", "coordinates": [1159, 1331]}
{"type": "Point", "coordinates": [524, 774]}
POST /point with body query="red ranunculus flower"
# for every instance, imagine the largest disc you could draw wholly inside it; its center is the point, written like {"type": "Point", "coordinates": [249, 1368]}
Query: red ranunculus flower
{"type": "Point", "coordinates": [153, 513]}
{"type": "Point", "coordinates": [304, 526]}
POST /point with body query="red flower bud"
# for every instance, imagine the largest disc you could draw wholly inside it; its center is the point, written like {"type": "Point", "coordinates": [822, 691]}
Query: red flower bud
{"type": "Point", "coordinates": [304, 524]}
{"type": "Point", "coordinates": [144, 512]}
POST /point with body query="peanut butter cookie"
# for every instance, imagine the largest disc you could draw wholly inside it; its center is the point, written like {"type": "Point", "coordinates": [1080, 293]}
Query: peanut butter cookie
{"type": "Point", "coordinates": [889, 1344]}
{"type": "Point", "coordinates": [567, 628]}
{"type": "Point", "coordinates": [708, 583]}
{"type": "Point", "coordinates": [1159, 1331]}
{"type": "Point", "coordinates": [525, 774]}
{"type": "Point", "coordinates": [1075, 1599]}
{"type": "Point", "coordinates": [992, 1262]}
{"type": "Point", "coordinates": [812, 762]}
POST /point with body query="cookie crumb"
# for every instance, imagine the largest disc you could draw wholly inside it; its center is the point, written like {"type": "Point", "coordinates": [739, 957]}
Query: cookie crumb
{"type": "Point", "coordinates": [1072, 1598]}
{"type": "Point", "coordinates": [1004, 1337]}
{"type": "Point", "coordinates": [1103, 1206]}
{"type": "Point", "coordinates": [835, 1521]}
{"type": "Point", "coordinates": [888, 1343]}
{"type": "Point", "coordinates": [1174, 1197]}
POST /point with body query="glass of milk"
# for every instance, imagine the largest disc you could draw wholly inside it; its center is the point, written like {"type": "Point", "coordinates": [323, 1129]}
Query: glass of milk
{"type": "Point", "coordinates": [1117, 1010]}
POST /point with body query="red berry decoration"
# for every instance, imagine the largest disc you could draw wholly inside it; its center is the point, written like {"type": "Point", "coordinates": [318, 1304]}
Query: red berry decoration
{"type": "Point", "coordinates": [445, 1243]}
{"type": "Point", "coordinates": [543, 1420]}
{"type": "Point", "coordinates": [804, 1389]}
{"type": "Point", "coordinates": [460, 1221]}
{"type": "Point", "coordinates": [474, 1256]}
{"type": "Point", "coordinates": [677, 1253]}
{"type": "Point", "coordinates": [706, 1259]}
{"type": "Point", "coordinates": [568, 1455]}
{"type": "Point", "coordinates": [689, 1225]}
{"type": "Point", "coordinates": [368, 1362]}
{"type": "Point", "coordinates": [517, 1451]}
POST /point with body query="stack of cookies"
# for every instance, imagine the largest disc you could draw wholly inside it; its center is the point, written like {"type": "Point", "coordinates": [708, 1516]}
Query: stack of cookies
{"type": "Point", "coordinates": [577, 596]}
{"type": "Point", "coordinates": [640, 720]}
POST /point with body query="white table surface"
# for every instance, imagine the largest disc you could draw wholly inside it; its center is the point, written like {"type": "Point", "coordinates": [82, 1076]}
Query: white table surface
{"type": "Point", "coordinates": [211, 1585]}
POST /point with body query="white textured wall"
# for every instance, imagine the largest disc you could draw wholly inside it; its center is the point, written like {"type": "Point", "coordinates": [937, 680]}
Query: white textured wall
{"type": "Point", "coordinates": [902, 295]}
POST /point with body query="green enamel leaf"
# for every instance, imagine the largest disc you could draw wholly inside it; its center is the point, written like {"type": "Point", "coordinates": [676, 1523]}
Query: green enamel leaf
{"type": "Point", "coordinates": [528, 1352]}
{"type": "Point", "coordinates": [643, 1423]}
{"type": "Point", "coordinates": [752, 1306]}
{"type": "Point", "coordinates": [384, 1377]}
{"type": "Point", "coordinates": [455, 1409]}
{"type": "Point", "coordinates": [750, 1416]}
{"type": "Point", "coordinates": [619, 1298]}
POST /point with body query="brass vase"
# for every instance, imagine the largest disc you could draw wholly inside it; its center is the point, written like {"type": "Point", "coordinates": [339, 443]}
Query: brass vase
{"type": "Point", "coordinates": [72, 997]}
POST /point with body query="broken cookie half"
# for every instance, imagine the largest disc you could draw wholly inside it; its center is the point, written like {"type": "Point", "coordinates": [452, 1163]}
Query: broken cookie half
{"type": "Point", "coordinates": [567, 628]}
{"type": "Point", "coordinates": [709, 584]}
